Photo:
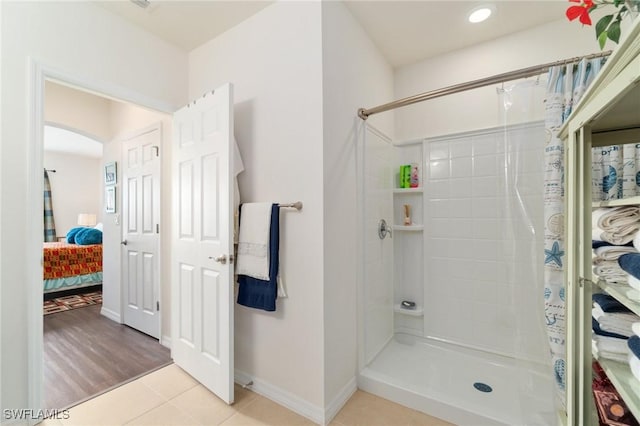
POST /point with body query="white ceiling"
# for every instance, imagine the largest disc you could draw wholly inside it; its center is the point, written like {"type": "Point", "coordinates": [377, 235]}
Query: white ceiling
{"type": "Point", "coordinates": [405, 31]}
{"type": "Point", "coordinates": [61, 140]}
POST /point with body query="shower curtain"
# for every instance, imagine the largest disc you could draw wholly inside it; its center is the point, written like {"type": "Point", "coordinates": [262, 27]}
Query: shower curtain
{"type": "Point", "coordinates": [49, 223]}
{"type": "Point", "coordinates": [565, 86]}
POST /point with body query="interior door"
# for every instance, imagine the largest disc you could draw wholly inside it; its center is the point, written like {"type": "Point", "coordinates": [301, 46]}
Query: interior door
{"type": "Point", "coordinates": [202, 246]}
{"type": "Point", "coordinates": [141, 223]}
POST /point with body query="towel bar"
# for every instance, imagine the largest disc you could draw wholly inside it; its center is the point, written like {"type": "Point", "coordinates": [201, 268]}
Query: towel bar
{"type": "Point", "coordinates": [297, 205]}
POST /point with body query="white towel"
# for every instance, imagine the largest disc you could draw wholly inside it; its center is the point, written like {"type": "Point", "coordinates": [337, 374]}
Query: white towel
{"type": "Point", "coordinates": [634, 364]}
{"type": "Point", "coordinates": [611, 272]}
{"type": "Point", "coordinates": [633, 282]}
{"type": "Point", "coordinates": [620, 224]}
{"type": "Point", "coordinates": [598, 353]}
{"type": "Point", "coordinates": [612, 252]}
{"type": "Point", "coordinates": [596, 231]}
{"type": "Point", "coordinates": [619, 323]}
{"type": "Point", "coordinates": [253, 241]}
{"type": "Point", "coordinates": [611, 344]}
{"type": "Point", "coordinates": [636, 241]}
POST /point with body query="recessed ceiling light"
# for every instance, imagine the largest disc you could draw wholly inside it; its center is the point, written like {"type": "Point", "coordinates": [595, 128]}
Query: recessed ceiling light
{"type": "Point", "coordinates": [479, 14]}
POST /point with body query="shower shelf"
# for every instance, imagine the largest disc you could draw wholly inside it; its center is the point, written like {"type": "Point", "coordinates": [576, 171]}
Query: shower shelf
{"type": "Point", "coordinates": [417, 312]}
{"type": "Point", "coordinates": [621, 293]}
{"type": "Point", "coordinates": [620, 202]}
{"type": "Point", "coordinates": [408, 228]}
{"type": "Point", "coordinates": [407, 190]}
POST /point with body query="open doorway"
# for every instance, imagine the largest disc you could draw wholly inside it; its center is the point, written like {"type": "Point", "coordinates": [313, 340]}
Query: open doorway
{"type": "Point", "coordinates": [88, 350]}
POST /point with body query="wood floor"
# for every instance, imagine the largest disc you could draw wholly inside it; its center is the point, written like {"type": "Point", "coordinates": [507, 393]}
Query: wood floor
{"type": "Point", "coordinates": [86, 353]}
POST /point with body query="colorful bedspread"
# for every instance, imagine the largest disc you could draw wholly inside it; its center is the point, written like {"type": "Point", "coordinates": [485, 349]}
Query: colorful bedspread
{"type": "Point", "coordinates": [63, 260]}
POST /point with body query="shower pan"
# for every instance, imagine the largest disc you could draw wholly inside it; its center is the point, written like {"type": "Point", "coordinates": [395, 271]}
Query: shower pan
{"type": "Point", "coordinates": [450, 307]}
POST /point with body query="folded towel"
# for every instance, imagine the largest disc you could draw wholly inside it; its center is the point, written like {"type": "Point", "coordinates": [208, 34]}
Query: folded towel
{"type": "Point", "coordinates": [611, 344]}
{"type": "Point", "coordinates": [613, 252]}
{"type": "Point", "coordinates": [253, 241]}
{"type": "Point", "coordinates": [630, 263]}
{"type": "Point", "coordinates": [599, 353]}
{"type": "Point", "coordinates": [633, 282]}
{"type": "Point", "coordinates": [636, 241]}
{"type": "Point", "coordinates": [619, 224]}
{"type": "Point", "coordinates": [595, 326]}
{"type": "Point", "coordinates": [619, 323]}
{"type": "Point", "coordinates": [599, 243]}
{"type": "Point", "coordinates": [88, 236]}
{"type": "Point", "coordinates": [611, 272]}
{"type": "Point", "coordinates": [634, 364]}
{"type": "Point", "coordinates": [608, 303]}
{"type": "Point", "coordinates": [634, 345]}
{"type": "Point", "coordinates": [254, 292]}
{"type": "Point", "coordinates": [635, 327]}
{"type": "Point", "coordinates": [596, 231]}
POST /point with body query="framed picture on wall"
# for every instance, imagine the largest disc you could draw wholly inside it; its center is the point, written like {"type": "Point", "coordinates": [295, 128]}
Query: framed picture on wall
{"type": "Point", "coordinates": [110, 173]}
{"type": "Point", "coordinates": [110, 199]}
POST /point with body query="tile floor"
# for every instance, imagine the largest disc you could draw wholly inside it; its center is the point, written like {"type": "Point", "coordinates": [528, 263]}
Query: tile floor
{"type": "Point", "coordinates": [169, 396]}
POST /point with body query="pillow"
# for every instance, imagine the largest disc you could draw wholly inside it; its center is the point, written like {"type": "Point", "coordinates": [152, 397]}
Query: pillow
{"type": "Point", "coordinates": [99, 226]}
{"type": "Point", "coordinates": [88, 236]}
{"type": "Point", "coordinates": [71, 235]}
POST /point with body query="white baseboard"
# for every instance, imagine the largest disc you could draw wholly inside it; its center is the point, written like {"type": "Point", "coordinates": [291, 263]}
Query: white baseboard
{"type": "Point", "coordinates": [165, 341]}
{"type": "Point", "coordinates": [282, 397]}
{"type": "Point", "coordinates": [340, 400]}
{"type": "Point", "coordinates": [112, 315]}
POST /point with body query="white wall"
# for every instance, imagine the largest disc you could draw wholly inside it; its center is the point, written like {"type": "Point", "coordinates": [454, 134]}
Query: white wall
{"type": "Point", "coordinates": [478, 108]}
{"type": "Point", "coordinates": [355, 75]}
{"type": "Point", "coordinates": [76, 187]}
{"type": "Point", "coordinates": [81, 111]}
{"type": "Point", "coordinates": [90, 44]}
{"type": "Point", "coordinates": [274, 61]}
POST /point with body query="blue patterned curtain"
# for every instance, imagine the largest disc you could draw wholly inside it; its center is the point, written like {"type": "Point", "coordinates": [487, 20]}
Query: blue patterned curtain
{"type": "Point", "coordinates": [565, 87]}
{"type": "Point", "coordinates": [49, 223]}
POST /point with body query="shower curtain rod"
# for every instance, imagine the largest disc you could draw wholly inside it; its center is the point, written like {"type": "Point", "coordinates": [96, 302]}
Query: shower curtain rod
{"type": "Point", "coordinates": [456, 88]}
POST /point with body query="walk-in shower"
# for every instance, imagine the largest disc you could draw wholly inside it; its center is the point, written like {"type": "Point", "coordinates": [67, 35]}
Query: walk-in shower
{"type": "Point", "coordinates": [473, 349]}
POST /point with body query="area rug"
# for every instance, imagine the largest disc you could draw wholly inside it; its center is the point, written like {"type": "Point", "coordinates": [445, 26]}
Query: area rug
{"type": "Point", "coordinates": [67, 303]}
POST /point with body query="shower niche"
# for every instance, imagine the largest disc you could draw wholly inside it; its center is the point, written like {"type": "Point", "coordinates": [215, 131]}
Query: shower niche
{"type": "Point", "coordinates": [408, 241]}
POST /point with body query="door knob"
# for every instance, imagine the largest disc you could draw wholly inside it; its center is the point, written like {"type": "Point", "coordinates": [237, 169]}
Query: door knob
{"type": "Point", "coordinates": [221, 259]}
{"type": "Point", "coordinates": [123, 242]}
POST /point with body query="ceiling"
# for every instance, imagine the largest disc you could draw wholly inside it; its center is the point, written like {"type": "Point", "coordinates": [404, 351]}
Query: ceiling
{"type": "Point", "coordinates": [404, 31]}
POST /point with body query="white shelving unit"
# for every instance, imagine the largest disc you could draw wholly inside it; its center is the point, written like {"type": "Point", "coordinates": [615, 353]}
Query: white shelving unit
{"type": "Point", "coordinates": [607, 114]}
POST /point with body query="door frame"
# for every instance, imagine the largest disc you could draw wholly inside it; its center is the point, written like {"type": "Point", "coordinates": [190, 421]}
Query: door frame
{"type": "Point", "coordinates": [38, 72]}
{"type": "Point", "coordinates": [123, 138]}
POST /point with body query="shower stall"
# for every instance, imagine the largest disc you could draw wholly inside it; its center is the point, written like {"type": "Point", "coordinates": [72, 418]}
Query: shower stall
{"type": "Point", "coordinates": [469, 343]}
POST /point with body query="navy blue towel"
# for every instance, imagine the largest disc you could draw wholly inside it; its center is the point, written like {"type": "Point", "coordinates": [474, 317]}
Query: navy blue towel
{"type": "Point", "coordinates": [595, 325]}
{"type": "Point", "coordinates": [630, 263]}
{"type": "Point", "coordinates": [597, 243]}
{"type": "Point", "coordinates": [634, 345]}
{"type": "Point", "coordinates": [262, 294]}
{"type": "Point", "coordinates": [608, 303]}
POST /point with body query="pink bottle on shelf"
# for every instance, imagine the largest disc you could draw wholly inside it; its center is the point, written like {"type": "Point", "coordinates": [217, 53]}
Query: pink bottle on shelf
{"type": "Point", "coordinates": [415, 179]}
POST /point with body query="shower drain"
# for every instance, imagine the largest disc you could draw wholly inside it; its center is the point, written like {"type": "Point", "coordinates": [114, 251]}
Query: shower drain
{"type": "Point", "coordinates": [482, 387]}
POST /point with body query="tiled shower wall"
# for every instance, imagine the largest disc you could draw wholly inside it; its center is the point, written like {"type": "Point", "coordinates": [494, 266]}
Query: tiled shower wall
{"type": "Point", "coordinates": [483, 240]}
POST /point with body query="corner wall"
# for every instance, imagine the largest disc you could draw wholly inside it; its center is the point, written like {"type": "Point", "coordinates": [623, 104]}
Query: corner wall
{"type": "Point", "coordinates": [355, 75]}
{"type": "Point", "coordinates": [89, 43]}
{"type": "Point", "coordinates": [274, 61]}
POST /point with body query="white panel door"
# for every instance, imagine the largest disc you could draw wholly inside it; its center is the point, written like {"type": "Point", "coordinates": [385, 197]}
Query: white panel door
{"type": "Point", "coordinates": [202, 241]}
{"type": "Point", "coordinates": [141, 223]}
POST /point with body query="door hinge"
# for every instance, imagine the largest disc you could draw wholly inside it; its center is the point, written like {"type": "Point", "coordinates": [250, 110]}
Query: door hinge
{"type": "Point", "coordinates": [157, 228]}
{"type": "Point", "coordinates": [156, 148]}
{"type": "Point", "coordinates": [157, 305]}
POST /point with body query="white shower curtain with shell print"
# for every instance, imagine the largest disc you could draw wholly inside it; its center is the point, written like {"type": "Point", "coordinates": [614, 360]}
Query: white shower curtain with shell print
{"type": "Point", "coordinates": [566, 85]}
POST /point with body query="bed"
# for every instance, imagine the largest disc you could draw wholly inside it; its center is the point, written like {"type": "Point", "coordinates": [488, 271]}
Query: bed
{"type": "Point", "coordinates": [70, 266]}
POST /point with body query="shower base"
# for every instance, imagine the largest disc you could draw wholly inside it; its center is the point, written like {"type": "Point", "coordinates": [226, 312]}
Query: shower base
{"type": "Point", "coordinates": [438, 378]}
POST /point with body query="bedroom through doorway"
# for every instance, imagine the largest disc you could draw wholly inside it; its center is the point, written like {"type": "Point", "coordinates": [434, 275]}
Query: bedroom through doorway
{"type": "Point", "coordinates": [91, 281]}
